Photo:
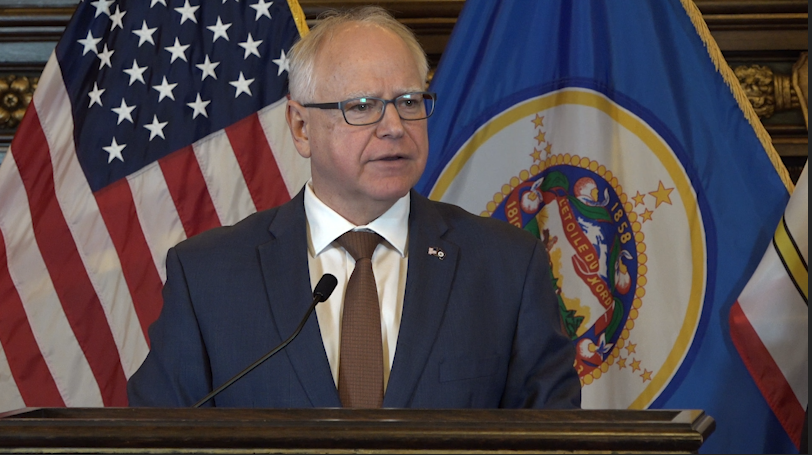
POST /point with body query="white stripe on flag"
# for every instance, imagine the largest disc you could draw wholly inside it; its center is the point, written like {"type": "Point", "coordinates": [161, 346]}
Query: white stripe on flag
{"type": "Point", "coordinates": [49, 324]}
{"type": "Point", "coordinates": [777, 311]}
{"type": "Point", "coordinates": [224, 179]}
{"type": "Point", "coordinates": [84, 219]}
{"type": "Point", "coordinates": [157, 213]}
{"type": "Point", "coordinates": [294, 169]}
{"type": "Point", "coordinates": [10, 397]}
{"type": "Point", "coordinates": [797, 214]}
{"type": "Point", "coordinates": [782, 323]}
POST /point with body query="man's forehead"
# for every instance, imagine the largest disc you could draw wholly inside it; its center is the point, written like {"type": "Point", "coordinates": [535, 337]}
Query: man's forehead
{"type": "Point", "coordinates": [354, 35]}
{"type": "Point", "coordinates": [349, 59]}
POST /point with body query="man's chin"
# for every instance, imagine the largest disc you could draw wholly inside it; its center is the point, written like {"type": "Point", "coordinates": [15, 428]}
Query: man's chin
{"type": "Point", "coordinates": [390, 197]}
{"type": "Point", "coordinates": [393, 189]}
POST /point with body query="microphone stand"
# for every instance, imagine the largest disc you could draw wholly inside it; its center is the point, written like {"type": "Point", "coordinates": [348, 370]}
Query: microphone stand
{"type": "Point", "coordinates": [323, 290]}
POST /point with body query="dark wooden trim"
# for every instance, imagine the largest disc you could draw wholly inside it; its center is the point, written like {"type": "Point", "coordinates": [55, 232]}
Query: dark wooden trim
{"type": "Point", "coordinates": [347, 430]}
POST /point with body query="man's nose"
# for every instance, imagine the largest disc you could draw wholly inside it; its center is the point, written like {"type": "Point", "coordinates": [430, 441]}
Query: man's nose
{"type": "Point", "coordinates": [391, 123]}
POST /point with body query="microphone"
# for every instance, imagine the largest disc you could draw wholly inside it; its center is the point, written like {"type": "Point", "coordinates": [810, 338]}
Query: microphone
{"type": "Point", "coordinates": [324, 288]}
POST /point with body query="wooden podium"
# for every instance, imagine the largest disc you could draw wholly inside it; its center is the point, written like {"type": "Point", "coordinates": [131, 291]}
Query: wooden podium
{"type": "Point", "coordinates": [153, 430]}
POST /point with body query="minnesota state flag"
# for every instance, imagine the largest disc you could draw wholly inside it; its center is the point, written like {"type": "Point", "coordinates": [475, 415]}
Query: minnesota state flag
{"type": "Point", "coordinates": [617, 134]}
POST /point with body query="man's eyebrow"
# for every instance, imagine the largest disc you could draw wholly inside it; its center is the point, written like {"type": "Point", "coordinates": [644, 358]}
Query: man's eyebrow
{"type": "Point", "coordinates": [353, 95]}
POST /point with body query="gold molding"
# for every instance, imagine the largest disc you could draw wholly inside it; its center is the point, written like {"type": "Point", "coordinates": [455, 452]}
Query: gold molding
{"type": "Point", "coordinates": [16, 93]}
{"type": "Point", "coordinates": [767, 91]}
{"type": "Point", "coordinates": [771, 92]}
{"type": "Point", "coordinates": [800, 83]}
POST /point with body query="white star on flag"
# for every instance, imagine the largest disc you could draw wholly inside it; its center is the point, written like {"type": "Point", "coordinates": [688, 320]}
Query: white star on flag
{"type": "Point", "coordinates": [145, 34]}
{"type": "Point", "coordinates": [165, 90]}
{"type": "Point", "coordinates": [262, 9]}
{"type": "Point", "coordinates": [250, 46]}
{"type": "Point", "coordinates": [178, 51]}
{"type": "Point", "coordinates": [117, 19]}
{"type": "Point", "coordinates": [102, 6]}
{"type": "Point", "coordinates": [124, 112]}
{"type": "Point", "coordinates": [156, 128]}
{"type": "Point", "coordinates": [208, 68]}
{"type": "Point", "coordinates": [89, 43]}
{"type": "Point", "coordinates": [219, 30]}
{"type": "Point", "coordinates": [114, 151]}
{"type": "Point", "coordinates": [136, 73]}
{"type": "Point", "coordinates": [282, 63]}
{"type": "Point", "coordinates": [154, 2]}
{"type": "Point", "coordinates": [105, 56]}
{"type": "Point", "coordinates": [241, 85]}
{"type": "Point", "coordinates": [95, 95]}
{"type": "Point", "coordinates": [187, 11]}
{"type": "Point", "coordinates": [199, 107]}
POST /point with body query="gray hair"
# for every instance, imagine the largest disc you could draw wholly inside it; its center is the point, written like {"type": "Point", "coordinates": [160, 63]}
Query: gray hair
{"type": "Point", "coordinates": [303, 54]}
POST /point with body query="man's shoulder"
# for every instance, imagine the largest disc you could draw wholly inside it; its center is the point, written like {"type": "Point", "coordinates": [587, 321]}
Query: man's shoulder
{"type": "Point", "coordinates": [248, 232]}
{"type": "Point", "coordinates": [461, 222]}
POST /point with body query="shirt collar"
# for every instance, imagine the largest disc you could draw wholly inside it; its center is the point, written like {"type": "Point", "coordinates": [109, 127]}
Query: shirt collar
{"type": "Point", "coordinates": [325, 225]}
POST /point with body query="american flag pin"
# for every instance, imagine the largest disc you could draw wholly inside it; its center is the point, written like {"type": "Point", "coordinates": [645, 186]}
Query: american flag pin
{"type": "Point", "coordinates": [440, 254]}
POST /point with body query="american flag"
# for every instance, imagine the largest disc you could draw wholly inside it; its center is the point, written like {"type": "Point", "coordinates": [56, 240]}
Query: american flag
{"type": "Point", "coordinates": [153, 121]}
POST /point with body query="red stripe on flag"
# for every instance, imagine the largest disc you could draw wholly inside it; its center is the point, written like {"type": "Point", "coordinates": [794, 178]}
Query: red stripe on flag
{"type": "Point", "coordinates": [257, 162]}
{"type": "Point", "coordinates": [28, 367]}
{"type": "Point", "coordinates": [189, 191]}
{"type": "Point", "coordinates": [768, 377]}
{"type": "Point", "coordinates": [117, 208]}
{"type": "Point", "coordinates": [71, 282]}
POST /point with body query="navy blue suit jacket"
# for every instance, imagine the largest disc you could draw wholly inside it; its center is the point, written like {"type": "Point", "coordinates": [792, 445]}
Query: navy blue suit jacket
{"type": "Point", "coordinates": [480, 328]}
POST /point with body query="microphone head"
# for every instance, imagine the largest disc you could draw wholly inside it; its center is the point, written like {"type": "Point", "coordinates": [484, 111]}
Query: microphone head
{"type": "Point", "coordinates": [325, 287]}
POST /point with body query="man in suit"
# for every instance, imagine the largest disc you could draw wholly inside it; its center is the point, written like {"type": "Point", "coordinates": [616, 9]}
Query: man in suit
{"type": "Point", "coordinates": [465, 314]}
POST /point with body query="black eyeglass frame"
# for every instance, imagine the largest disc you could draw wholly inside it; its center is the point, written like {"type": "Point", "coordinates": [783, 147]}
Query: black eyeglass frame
{"type": "Point", "coordinates": [340, 106]}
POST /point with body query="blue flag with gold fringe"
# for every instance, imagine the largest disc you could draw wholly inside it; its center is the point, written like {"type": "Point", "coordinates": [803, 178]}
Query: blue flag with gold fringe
{"type": "Point", "coordinates": [617, 134]}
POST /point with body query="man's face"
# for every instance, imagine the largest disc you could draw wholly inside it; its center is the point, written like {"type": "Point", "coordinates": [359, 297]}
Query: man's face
{"type": "Point", "coordinates": [360, 171]}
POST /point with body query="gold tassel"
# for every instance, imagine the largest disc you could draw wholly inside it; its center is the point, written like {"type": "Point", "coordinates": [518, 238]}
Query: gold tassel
{"type": "Point", "coordinates": [738, 93]}
{"type": "Point", "coordinates": [299, 17]}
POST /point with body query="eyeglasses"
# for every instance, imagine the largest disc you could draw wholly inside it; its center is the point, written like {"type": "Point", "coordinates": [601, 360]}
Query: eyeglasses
{"type": "Point", "coordinates": [368, 110]}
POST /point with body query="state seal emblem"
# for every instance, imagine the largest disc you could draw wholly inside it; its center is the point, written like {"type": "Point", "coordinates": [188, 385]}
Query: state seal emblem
{"type": "Point", "coordinates": [608, 198]}
{"type": "Point", "coordinates": [576, 206]}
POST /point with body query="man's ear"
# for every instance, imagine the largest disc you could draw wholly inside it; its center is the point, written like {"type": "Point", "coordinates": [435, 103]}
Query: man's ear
{"type": "Point", "coordinates": [299, 121]}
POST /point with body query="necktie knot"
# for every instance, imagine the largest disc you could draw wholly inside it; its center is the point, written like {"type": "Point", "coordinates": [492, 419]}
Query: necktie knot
{"type": "Point", "coordinates": [360, 244]}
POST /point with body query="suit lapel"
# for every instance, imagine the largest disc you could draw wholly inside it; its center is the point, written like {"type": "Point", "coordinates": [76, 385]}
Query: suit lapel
{"type": "Point", "coordinates": [428, 284]}
{"type": "Point", "coordinates": [287, 281]}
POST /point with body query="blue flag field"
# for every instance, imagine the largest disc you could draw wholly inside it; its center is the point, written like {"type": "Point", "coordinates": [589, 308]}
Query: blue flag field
{"type": "Point", "coordinates": [618, 135]}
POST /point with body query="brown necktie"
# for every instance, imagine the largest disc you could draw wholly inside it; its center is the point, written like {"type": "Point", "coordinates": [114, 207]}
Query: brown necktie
{"type": "Point", "coordinates": [360, 368]}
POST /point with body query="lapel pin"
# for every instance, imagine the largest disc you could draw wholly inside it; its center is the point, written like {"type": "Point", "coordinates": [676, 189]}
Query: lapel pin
{"type": "Point", "coordinates": [440, 254]}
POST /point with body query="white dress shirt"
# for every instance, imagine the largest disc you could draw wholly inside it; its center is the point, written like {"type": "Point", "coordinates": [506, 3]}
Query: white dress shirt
{"type": "Point", "coordinates": [389, 264]}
